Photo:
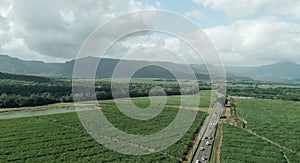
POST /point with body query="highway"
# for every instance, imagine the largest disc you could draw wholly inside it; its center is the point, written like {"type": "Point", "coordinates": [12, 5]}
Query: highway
{"type": "Point", "coordinates": [205, 146]}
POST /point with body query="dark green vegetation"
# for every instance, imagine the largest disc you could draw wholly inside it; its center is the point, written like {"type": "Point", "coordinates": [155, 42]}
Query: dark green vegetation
{"type": "Point", "coordinates": [21, 90]}
{"type": "Point", "coordinates": [240, 146]}
{"type": "Point", "coordinates": [265, 90]}
{"type": "Point", "coordinates": [17, 92]}
{"type": "Point", "coordinates": [61, 137]}
{"type": "Point", "coordinates": [273, 120]}
{"type": "Point", "coordinates": [6, 76]}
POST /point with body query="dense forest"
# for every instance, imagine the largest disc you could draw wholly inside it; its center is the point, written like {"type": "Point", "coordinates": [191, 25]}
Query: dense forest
{"type": "Point", "coordinates": [266, 90]}
{"type": "Point", "coordinates": [39, 79]}
{"type": "Point", "coordinates": [22, 90]}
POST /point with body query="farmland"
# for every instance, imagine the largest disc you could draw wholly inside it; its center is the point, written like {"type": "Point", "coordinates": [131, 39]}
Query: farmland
{"type": "Point", "coordinates": [61, 137]}
{"type": "Point", "coordinates": [240, 146]}
{"type": "Point", "coordinates": [271, 133]}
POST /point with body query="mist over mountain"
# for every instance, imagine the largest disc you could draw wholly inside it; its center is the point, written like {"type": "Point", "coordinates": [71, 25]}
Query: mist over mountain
{"type": "Point", "coordinates": [18, 66]}
{"type": "Point", "coordinates": [288, 70]}
{"type": "Point", "coordinates": [281, 71]}
{"type": "Point", "coordinates": [105, 68]}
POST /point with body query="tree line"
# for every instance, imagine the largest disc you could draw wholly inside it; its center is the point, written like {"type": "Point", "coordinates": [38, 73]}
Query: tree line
{"type": "Point", "coordinates": [282, 93]}
{"type": "Point", "coordinates": [22, 93]}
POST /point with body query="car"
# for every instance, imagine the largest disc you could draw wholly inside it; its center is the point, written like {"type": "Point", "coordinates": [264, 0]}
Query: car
{"type": "Point", "coordinates": [202, 148]}
{"type": "Point", "coordinates": [207, 143]}
{"type": "Point", "coordinates": [197, 161]}
{"type": "Point", "coordinates": [203, 158]}
{"type": "Point", "coordinates": [209, 138]}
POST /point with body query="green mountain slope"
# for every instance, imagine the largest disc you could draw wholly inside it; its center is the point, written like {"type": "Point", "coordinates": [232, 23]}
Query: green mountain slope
{"type": "Point", "coordinates": [105, 68]}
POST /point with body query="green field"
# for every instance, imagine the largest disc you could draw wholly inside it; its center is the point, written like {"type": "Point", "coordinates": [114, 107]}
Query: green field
{"type": "Point", "coordinates": [275, 120]}
{"type": "Point", "coordinates": [238, 146]}
{"type": "Point", "coordinates": [205, 99]}
{"type": "Point", "coordinates": [61, 137]}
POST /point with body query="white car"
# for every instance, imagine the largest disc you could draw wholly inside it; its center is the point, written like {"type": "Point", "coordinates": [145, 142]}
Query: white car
{"type": "Point", "coordinates": [202, 148]}
{"type": "Point", "coordinates": [207, 143]}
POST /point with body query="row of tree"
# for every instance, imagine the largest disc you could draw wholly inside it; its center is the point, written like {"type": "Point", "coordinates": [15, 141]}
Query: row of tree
{"type": "Point", "coordinates": [286, 93]}
{"type": "Point", "coordinates": [15, 93]}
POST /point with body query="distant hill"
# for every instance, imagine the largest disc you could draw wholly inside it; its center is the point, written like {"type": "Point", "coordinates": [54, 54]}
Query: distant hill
{"type": "Point", "coordinates": [18, 66]}
{"type": "Point", "coordinates": [281, 71]}
{"type": "Point", "coordinates": [105, 68]}
{"type": "Point", "coordinates": [284, 70]}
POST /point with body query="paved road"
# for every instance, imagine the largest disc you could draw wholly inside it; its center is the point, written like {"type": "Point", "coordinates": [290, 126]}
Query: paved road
{"type": "Point", "coordinates": [205, 147]}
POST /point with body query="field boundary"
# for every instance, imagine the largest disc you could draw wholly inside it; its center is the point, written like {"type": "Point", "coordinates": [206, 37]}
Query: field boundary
{"type": "Point", "coordinates": [217, 145]}
{"type": "Point", "coordinates": [268, 140]}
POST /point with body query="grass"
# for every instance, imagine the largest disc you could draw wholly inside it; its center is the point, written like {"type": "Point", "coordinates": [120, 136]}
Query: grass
{"type": "Point", "coordinates": [205, 98]}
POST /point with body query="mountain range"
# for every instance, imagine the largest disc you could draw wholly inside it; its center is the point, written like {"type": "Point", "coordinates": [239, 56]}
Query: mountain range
{"type": "Point", "coordinates": [105, 68]}
{"type": "Point", "coordinates": [282, 71]}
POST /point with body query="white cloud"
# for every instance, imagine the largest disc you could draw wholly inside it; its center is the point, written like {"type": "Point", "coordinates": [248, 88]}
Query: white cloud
{"type": "Point", "coordinates": [57, 28]}
{"type": "Point", "coordinates": [60, 29]}
{"type": "Point", "coordinates": [5, 8]}
{"type": "Point", "coordinates": [240, 8]}
{"type": "Point", "coordinates": [17, 48]}
{"type": "Point", "coordinates": [257, 41]}
{"type": "Point", "coordinates": [67, 16]}
{"type": "Point", "coordinates": [194, 14]}
{"type": "Point", "coordinates": [153, 47]}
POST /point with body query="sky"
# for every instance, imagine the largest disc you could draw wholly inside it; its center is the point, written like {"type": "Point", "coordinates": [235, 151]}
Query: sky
{"type": "Point", "coordinates": [244, 32]}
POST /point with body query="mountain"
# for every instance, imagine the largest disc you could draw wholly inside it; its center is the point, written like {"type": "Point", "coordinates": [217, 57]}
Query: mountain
{"type": "Point", "coordinates": [281, 71]}
{"type": "Point", "coordinates": [104, 70]}
{"type": "Point", "coordinates": [288, 70]}
{"type": "Point", "coordinates": [18, 66]}
{"type": "Point", "coordinates": [239, 70]}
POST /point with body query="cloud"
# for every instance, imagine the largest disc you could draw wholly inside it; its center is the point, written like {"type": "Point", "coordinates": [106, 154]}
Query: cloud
{"type": "Point", "coordinates": [20, 50]}
{"type": "Point", "coordinates": [57, 28]}
{"type": "Point", "coordinates": [256, 41]}
{"type": "Point", "coordinates": [5, 8]}
{"type": "Point", "coordinates": [153, 46]}
{"type": "Point", "coordinates": [67, 16]}
{"type": "Point", "coordinates": [240, 8]}
{"type": "Point", "coordinates": [194, 14]}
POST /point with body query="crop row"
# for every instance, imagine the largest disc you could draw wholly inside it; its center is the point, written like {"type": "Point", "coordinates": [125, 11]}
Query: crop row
{"type": "Point", "coordinates": [61, 137]}
{"type": "Point", "coordinates": [240, 146]}
{"type": "Point", "coordinates": [274, 119]}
